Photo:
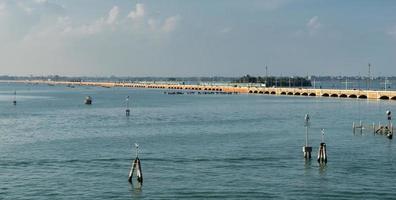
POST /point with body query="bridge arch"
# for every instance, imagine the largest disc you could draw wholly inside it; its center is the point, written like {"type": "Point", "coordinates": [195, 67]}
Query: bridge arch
{"type": "Point", "coordinates": [273, 92]}
{"type": "Point", "coordinates": [334, 95]}
{"type": "Point", "coordinates": [343, 96]}
{"type": "Point", "coordinates": [261, 92]}
{"type": "Point", "coordinates": [266, 92]}
{"type": "Point", "coordinates": [384, 97]}
{"type": "Point", "coordinates": [255, 92]}
{"type": "Point", "coordinates": [283, 93]}
{"type": "Point", "coordinates": [250, 91]}
{"type": "Point", "coordinates": [325, 95]}
{"type": "Point", "coordinates": [297, 93]}
{"type": "Point", "coordinates": [362, 96]}
{"type": "Point", "coordinates": [312, 94]}
{"type": "Point", "coordinates": [290, 93]}
{"type": "Point", "coordinates": [393, 98]}
{"type": "Point", "coordinates": [353, 96]}
{"type": "Point", "coordinates": [304, 94]}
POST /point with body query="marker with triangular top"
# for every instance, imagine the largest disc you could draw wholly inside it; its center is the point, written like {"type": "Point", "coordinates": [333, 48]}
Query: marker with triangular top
{"type": "Point", "coordinates": [136, 170]}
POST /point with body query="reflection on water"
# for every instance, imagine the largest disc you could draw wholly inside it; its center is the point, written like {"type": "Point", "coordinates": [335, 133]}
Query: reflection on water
{"type": "Point", "coordinates": [322, 169]}
{"type": "Point", "coordinates": [136, 192]}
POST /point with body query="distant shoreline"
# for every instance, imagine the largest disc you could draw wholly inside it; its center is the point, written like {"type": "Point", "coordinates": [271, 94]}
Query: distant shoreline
{"type": "Point", "coordinates": [309, 92]}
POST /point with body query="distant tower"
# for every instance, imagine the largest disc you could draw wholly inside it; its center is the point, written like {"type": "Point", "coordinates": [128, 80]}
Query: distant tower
{"type": "Point", "coordinates": [266, 76]}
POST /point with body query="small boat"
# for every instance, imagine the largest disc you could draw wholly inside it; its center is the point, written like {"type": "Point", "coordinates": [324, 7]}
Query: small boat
{"type": "Point", "coordinates": [88, 100]}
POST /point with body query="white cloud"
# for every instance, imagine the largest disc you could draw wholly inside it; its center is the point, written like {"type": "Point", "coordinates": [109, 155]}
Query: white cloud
{"type": "Point", "coordinates": [154, 24]}
{"type": "Point", "coordinates": [27, 9]}
{"type": "Point", "coordinates": [113, 14]}
{"type": "Point", "coordinates": [392, 32]}
{"type": "Point", "coordinates": [170, 23]}
{"type": "Point", "coordinates": [100, 25]}
{"type": "Point", "coordinates": [2, 8]}
{"type": "Point", "coordinates": [225, 30]}
{"type": "Point", "coordinates": [313, 25]}
{"type": "Point", "coordinates": [64, 24]}
{"type": "Point", "coordinates": [41, 1]}
{"type": "Point", "coordinates": [35, 25]}
{"type": "Point", "coordinates": [272, 4]}
{"type": "Point", "coordinates": [50, 37]}
{"type": "Point", "coordinates": [138, 13]}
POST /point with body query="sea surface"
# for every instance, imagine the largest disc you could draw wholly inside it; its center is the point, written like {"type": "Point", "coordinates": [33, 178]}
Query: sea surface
{"type": "Point", "coordinates": [52, 146]}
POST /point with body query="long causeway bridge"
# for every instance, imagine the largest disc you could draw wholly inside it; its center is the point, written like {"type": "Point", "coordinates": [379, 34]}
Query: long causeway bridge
{"type": "Point", "coordinates": [309, 92]}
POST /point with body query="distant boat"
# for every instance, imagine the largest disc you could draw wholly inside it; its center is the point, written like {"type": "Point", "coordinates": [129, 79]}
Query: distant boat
{"type": "Point", "coordinates": [88, 100]}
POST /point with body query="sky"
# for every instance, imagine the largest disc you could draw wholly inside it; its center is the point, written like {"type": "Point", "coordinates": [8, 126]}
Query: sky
{"type": "Point", "coordinates": [197, 38]}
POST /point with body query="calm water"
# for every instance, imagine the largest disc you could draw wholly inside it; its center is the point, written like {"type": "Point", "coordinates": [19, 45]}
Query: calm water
{"type": "Point", "coordinates": [192, 146]}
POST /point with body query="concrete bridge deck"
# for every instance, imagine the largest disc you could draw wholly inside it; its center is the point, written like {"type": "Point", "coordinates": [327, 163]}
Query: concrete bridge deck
{"type": "Point", "coordinates": [339, 93]}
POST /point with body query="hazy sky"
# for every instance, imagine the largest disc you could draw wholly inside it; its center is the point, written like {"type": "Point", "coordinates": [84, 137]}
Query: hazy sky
{"type": "Point", "coordinates": [197, 37]}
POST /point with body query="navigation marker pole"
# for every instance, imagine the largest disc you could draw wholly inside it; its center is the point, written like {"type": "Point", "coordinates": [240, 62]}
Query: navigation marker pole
{"type": "Point", "coordinates": [322, 153]}
{"type": "Point", "coordinates": [346, 83]}
{"type": "Point", "coordinates": [386, 83]}
{"type": "Point", "coordinates": [389, 133]}
{"type": "Point", "coordinates": [127, 111]}
{"type": "Point", "coordinates": [307, 149]}
{"type": "Point", "coordinates": [14, 101]}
